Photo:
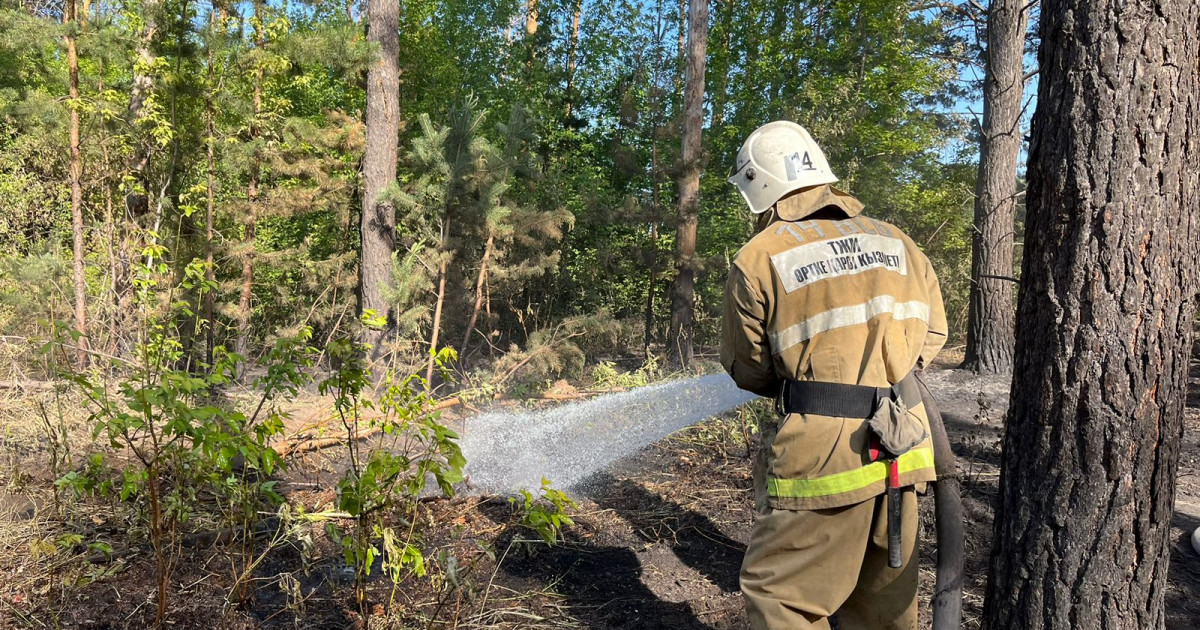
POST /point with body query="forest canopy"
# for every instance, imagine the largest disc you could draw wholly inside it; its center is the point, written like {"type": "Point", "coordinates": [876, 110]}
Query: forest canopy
{"type": "Point", "coordinates": [542, 135]}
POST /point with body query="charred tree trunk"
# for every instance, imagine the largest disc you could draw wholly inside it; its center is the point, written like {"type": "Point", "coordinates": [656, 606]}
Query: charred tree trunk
{"type": "Point", "coordinates": [1105, 312]}
{"type": "Point", "coordinates": [683, 292]}
{"type": "Point", "coordinates": [72, 22]}
{"type": "Point", "coordinates": [378, 225]}
{"type": "Point", "coordinates": [990, 319]}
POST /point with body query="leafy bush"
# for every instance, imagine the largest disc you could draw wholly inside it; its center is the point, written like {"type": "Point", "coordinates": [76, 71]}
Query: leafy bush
{"type": "Point", "coordinates": [546, 514]}
{"type": "Point", "coordinates": [166, 411]}
{"type": "Point", "coordinates": [606, 375]}
{"type": "Point", "coordinates": [388, 478]}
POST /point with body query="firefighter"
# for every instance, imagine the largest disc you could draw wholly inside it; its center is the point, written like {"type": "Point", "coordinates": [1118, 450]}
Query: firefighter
{"type": "Point", "coordinates": [829, 312]}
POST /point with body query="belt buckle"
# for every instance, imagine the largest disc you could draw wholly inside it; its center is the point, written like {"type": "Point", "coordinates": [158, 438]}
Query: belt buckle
{"type": "Point", "coordinates": [779, 409]}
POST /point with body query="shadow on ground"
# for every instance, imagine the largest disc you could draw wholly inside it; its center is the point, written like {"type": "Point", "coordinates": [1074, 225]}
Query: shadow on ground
{"type": "Point", "coordinates": [602, 584]}
{"type": "Point", "coordinates": [614, 570]}
{"type": "Point", "coordinates": [693, 537]}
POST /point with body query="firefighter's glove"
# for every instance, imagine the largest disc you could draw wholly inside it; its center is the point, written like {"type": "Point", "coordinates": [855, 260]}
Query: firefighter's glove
{"type": "Point", "coordinates": [898, 429]}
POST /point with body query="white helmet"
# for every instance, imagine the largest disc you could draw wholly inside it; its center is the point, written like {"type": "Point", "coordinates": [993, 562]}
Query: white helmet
{"type": "Point", "coordinates": [778, 158]}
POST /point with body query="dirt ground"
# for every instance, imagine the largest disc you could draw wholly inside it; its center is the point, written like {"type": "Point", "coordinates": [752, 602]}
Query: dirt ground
{"type": "Point", "coordinates": [657, 543]}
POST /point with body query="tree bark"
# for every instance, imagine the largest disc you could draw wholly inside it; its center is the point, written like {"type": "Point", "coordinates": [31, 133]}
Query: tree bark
{"type": "Point", "coordinates": [443, 271]}
{"type": "Point", "coordinates": [210, 189]}
{"type": "Point", "coordinates": [991, 309]}
{"type": "Point", "coordinates": [1105, 312]}
{"type": "Point", "coordinates": [378, 223]}
{"type": "Point", "coordinates": [242, 345]}
{"type": "Point", "coordinates": [136, 200]}
{"type": "Point", "coordinates": [76, 174]}
{"type": "Point", "coordinates": [572, 49]}
{"type": "Point", "coordinates": [682, 294]}
{"type": "Point", "coordinates": [479, 280]}
{"type": "Point", "coordinates": [652, 268]}
{"type": "Point", "coordinates": [531, 18]}
{"type": "Point", "coordinates": [720, 91]}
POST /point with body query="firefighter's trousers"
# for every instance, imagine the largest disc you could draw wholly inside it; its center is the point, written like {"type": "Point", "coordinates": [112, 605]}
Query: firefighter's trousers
{"type": "Point", "coordinates": [803, 566]}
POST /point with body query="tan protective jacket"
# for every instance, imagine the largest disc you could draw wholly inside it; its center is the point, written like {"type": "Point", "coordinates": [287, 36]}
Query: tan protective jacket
{"type": "Point", "coordinates": [825, 294]}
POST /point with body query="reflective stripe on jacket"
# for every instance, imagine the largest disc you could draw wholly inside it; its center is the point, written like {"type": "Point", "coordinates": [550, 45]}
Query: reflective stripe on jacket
{"type": "Point", "coordinates": [824, 293]}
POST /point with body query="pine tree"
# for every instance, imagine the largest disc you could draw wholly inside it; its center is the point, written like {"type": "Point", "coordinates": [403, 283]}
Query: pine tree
{"type": "Point", "coordinates": [990, 323]}
{"type": "Point", "coordinates": [1106, 312]}
{"type": "Point", "coordinates": [682, 330]}
{"type": "Point", "coordinates": [378, 221]}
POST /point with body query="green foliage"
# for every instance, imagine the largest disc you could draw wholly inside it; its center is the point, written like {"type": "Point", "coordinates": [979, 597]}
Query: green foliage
{"type": "Point", "coordinates": [560, 349]}
{"type": "Point", "coordinates": [383, 484]}
{"type": "Point", "coordinates": [545, 514]}
{"type": "Point", "coordinates": [167, 413]}
{"type": "Point", "coordinates": [606, 375]}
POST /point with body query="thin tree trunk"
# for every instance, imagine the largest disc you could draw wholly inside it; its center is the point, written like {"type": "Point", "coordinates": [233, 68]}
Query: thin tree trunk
{"type": "Point", "coordinates": [71, 20]}
{"type": "Point", "coordinates": [571, 51]}
{"type": "Point", "coordinates": [210, 128]}
{"type": "Point", "coordinates": [683, 24]}
{"type": "Point", "coordinates": [720, 92]}
{"type": "Point", "coordinates": [652, 272]}
{"type": "Point", "coordinates": [682, 295]}
{"type": "Point", "coordinates": [443, 271]}
{"type": "Point", "coordinates": [991, 310]}
{"type": "Point", "coordinates": [1106, 310]}
{"type": "Point", "coordinates": [483, 271]}
{"type": "Point", "coordinates": [136, 200]}
{"type": "Point", "coordinates": [242, 346]}
{"type": "Point", "coordinates": [378, 221]}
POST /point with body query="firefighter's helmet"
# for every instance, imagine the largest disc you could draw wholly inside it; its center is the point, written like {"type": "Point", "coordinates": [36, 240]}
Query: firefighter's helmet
{"type": "Point", "coordinates": [778, 158]}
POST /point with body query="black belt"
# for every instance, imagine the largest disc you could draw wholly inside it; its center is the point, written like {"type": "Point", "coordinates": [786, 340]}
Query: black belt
{"type": "Point", "coordinates": [843, 401]}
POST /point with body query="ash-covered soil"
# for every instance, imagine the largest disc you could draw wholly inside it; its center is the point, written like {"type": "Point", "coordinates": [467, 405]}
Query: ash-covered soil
{"type": "Point", "coordinates": [657, 543]}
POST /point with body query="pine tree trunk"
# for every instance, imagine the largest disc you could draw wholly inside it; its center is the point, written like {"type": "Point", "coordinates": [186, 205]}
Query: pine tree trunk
{"type": "Point", "coordinates": [531, 17]}
{"type": "Point", "coordinates": [242, 345]}
{"type": "Point", "coordinates": [483, 270]}
{"type": "Point", "coordinates": [1105, 312]}
{"type": "Point", "coordinates": [210, 189]}
{"type": "Point", "coordinates": [378, 225]}
{"type": "Point", "coordinates": [682, 294]}
{"type": "Point", "coordinates": [136, 201]}
{"type": "Point", "coordinates": [651, 279]}
{"type": "Point", "coordinates": [991, 310]}
{"type": "Point", "coordinates": [720, 91]}
{"type": "Point", "coordinates": [70, 19]}
{"type": "Point", "coordinates": [244, 310]}
{"type": "Point", "coordinates": [652, 271]}
{"type": "Point", "coordinates": [443, 271]}
{"type": "Point", "coordinates": [571, 52]}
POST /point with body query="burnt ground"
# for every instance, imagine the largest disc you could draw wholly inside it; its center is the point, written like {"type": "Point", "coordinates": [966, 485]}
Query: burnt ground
{"type": "Point", "coordinates": [657, 543]}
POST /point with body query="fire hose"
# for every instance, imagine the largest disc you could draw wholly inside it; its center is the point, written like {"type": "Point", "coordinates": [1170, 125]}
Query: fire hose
{"type": "Point", "coordinates": [948, 522]}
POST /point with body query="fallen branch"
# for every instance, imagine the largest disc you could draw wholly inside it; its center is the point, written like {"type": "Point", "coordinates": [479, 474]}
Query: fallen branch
{"type": "Point", "coordinates": [302, 444]}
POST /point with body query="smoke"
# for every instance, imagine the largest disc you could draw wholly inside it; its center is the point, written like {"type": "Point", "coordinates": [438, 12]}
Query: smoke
{"type": "Point", "coordinates": [507, 452]}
